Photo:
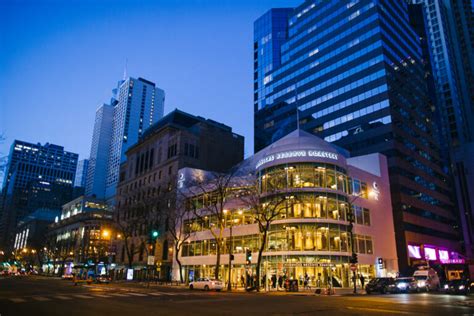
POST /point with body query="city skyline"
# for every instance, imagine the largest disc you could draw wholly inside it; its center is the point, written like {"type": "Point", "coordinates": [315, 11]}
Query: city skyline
{"type": "Point", "coordinates": [67, 62]}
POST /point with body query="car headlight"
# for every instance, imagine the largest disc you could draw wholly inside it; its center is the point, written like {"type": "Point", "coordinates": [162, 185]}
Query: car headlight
{"type": "Point", "coordinates": [446, 286]}
{"type": "Point", "coordinates": [212, 283]}
{"type": "Point", "coordinates": [421, 283]}
{"type": "Point", "coordinates": [402, 285]}
{"type": "Point", "coordinates": [461, 287]}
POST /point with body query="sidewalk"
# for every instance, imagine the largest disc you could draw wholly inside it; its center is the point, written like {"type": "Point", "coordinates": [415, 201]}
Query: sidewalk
{"type": "Point", "coordinates": [152, 285]}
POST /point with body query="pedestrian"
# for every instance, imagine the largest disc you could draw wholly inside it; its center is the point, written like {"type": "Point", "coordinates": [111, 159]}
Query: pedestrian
{"type": "Point", "coordinates": [280, 282]}
{"type": "Point", "coordinates": [362, 280]}
{"type": "Point", "coordinates": [306, 281]}
{"type": "Point", "coordinates": [274, 281]}
{"type": "Point", "coordinates": [242, 280]}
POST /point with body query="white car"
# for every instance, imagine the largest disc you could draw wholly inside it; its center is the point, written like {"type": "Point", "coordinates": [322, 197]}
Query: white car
{"type": "Point", "coordinates": [206, 284]}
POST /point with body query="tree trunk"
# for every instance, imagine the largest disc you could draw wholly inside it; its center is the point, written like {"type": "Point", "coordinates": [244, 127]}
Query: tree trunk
{"type": "Point", "coordinates": [260, 251]}
{"type": "Point", "coordinates": [218, 260]}
{"type": "Point", "coordinates": [176, 255]}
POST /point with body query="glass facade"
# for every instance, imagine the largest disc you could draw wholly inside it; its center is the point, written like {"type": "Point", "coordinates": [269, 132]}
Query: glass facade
{"type": "Point", "coordinates": [353, 74]}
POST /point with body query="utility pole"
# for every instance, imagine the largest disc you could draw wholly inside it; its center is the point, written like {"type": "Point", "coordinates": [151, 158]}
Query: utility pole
{"type": "Point", "coordinates": [231, 256]}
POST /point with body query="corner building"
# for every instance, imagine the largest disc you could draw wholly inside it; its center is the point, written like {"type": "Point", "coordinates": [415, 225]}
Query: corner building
{"type": "Point", "coordinates": [352, 73]}
{"type": "Point", "coordinates": [311, 236]}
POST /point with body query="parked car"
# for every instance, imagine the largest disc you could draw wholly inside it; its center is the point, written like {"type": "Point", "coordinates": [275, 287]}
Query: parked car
{"type": "Point", "coordinates": [462, 286]}
{"type": "Point", "coordinates": [102, 279]}
{"type": "Point", "coordinates": [406, 284]}
{"type": "Point", "coordinates": [427, 279]}
{"type": "Point", "coordinates": [381, 285]}
{"type": "Point", "coordinates": [206, 284]}
{"type": "Point", "coordinates": [67, 277]}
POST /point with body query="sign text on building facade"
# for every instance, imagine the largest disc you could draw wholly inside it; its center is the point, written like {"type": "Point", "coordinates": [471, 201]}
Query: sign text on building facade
{"type": "Point", "coordinates": [296, 154]}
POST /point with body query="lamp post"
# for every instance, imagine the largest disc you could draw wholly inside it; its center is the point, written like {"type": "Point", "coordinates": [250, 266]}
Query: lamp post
{"type": "Point", "coordinates": [351, 219]}
{"type": "Point", "coordinates": [231, 256]}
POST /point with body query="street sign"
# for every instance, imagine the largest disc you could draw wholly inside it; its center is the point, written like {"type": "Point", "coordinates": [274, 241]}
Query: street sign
{"type": "Point", "coordinates": [353, 267]}
{"type": "Point", "coordinates": [151, 260]}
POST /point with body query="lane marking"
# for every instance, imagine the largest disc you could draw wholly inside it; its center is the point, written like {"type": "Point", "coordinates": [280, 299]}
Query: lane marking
{"type": "Point", "coordinates": [17, 300]}
{"type": "Point", "coordinates": [41, 298]}
{"type": "Point", "coordinates": [137, 294]}
{"type": "Point", "coordinates": [82, 296]}
{"type": "Point", "coordinates": [156, 294]}
{"type": "Point", "coordinates": [62, 297]}
{"type": "Point", "coordinates": [379, 310]}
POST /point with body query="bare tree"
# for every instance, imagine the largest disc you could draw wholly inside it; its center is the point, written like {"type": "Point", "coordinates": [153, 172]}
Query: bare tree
{"type": "Point", "coordinates": [267, 206]}
{"type": "Point", "coordinates": [213, 193]}
{"type": "Point", "coordinates": [180, 234]}
{"type": "Point", "coordinates": [135, 218]}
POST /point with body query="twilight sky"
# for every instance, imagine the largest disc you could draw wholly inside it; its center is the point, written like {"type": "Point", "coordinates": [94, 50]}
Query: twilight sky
{"type": "Point", "coordinates": [60, 59]}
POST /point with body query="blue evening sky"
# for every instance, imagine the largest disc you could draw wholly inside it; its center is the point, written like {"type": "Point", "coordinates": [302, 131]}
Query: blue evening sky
{"type": "Point", "coordinates": [60, 59]}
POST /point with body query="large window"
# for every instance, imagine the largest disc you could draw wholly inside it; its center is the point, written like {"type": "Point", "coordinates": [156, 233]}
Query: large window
{"type": "Point", "coordinates": [304, 175]}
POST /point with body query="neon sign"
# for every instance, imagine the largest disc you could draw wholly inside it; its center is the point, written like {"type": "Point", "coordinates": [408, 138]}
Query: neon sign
{"type": "Point", "coordinates": [430, 253]}
{"type": "Point", "coordinates": [414, 251]}
{"type": "Point", "coordinates": [296, 154]}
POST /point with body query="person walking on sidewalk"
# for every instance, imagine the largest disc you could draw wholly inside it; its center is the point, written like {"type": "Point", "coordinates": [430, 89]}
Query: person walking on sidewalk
{"type": "Point", "coordinates": [362, 280]}
{"type": "Point", "coordinates": [280, 282]}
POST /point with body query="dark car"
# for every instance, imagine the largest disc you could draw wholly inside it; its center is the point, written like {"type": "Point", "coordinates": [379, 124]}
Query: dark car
{"type": "Point", "coordinates": [463, 286]}
{"type": "Point", "coordinates": [406, 285]}
{"type": "Point", "coordinates": [381, 285]}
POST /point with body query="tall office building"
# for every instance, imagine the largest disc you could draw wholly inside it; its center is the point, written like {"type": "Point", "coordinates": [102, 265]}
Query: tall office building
{"type": "Point", "coordinates": [352, 73]}
{"type": "Point", "coordinates": [99, 155]}
{"type": "Point", "coordinates": [135, 105]}
{"type": "Point", "coordinates": [81, 173]}
{"type": "Point", "coordinates": [36, 176]}
{"type": "Point", "coordinates": [139, 104]}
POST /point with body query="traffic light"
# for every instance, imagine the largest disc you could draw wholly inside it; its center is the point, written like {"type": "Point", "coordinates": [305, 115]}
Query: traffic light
{"type": "Point", "coordinates": [354, 258]}
{"type": "Point", "coordinates": [380, 263]}
{"type": "Point", "coordinates": [248, 256]}
{"type": "Point", "coordinates": [154, 234]}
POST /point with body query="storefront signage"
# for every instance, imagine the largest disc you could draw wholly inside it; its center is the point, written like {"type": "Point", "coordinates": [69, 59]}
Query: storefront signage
{"type": "Point", "coordinates": [296, 154]}
{"type": "Point", "coordinates": [307, 264]}
{"type": "Point", "coordinates": [453, 261]}
{"type": "Point", "coordinates": [181, 179]}
{"type": "Point", "coordinates": [414, 251]}
{"type": "Point", "coordinates": [129, 274]}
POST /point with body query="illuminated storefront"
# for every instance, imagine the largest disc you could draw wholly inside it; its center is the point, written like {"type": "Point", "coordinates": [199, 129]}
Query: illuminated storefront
{"type": "Point", "coordinates": [311, 236]}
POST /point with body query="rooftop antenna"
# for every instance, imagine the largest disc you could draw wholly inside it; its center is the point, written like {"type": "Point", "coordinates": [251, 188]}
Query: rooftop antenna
{"type": "Point", "coordinates": [125, 69]}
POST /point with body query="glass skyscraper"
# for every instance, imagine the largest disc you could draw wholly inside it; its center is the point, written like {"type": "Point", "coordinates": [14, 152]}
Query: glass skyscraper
{"type": "Point", "coordinates": [352, 73]}
{"type": "Point", "coordinates": [36, 176]}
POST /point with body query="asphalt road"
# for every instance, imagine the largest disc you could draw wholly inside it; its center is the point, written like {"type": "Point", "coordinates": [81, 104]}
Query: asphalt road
{"type": "Point", "coordinates": [47, 296]}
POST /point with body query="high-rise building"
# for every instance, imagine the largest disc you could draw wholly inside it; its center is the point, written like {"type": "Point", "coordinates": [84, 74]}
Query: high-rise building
{"type": "Point", "coordinates": [81, 173]}
{"type": "Point", "coordinates": [99, 155]}
{"type": "Point", "coordinates": [37, 176]}
{"type": "Point", "coordinates": [352, 73]}
{"type": "Point", "coordinates": [136, 104]}
{"type": "Point", "coordinates": [447, 29]}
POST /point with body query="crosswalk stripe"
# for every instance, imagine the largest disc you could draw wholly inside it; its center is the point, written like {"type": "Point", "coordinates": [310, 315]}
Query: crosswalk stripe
{"type": "Point", "coordinates": [136, 294]}
{"type": "Point", "coordinates": [41, 298]}
{"type": "Point", "coordinates": [168, 293]}
{"type": "Point", "coordinates": [82, 296]}
{"type": "Point", "coordinates": [100, 295]}
{"type": "Point", "coordinates": [62, 297]}
{"type": "Point", "coordinates": [118, 294]}
{"type": "Point", "coordinates": [17, 300]}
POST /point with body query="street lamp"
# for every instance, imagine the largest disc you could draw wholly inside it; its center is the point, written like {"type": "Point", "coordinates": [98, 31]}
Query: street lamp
{"type": "Point", "coordinates": [105, 233]}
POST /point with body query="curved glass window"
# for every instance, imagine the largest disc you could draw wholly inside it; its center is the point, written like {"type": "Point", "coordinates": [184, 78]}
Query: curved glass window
{"type": "Point", "coordinates": [304, 175]}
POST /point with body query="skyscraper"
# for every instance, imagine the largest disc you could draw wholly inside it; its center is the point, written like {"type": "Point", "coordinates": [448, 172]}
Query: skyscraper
{"type": "Point", "coordinates": [99, 155]}
{"type": "Point", "coordinates": [139, 104]}
{"type": "Point", "coordinates": [351, 72]}
{"type": "Point", "coordinates": [135, 105]}
{"type": "Point", "coordinates": [81, 173]}
{"type": "Point", "coordinates": [449, 27]}
{"type": "Point", "coordinates": [36, 176]}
